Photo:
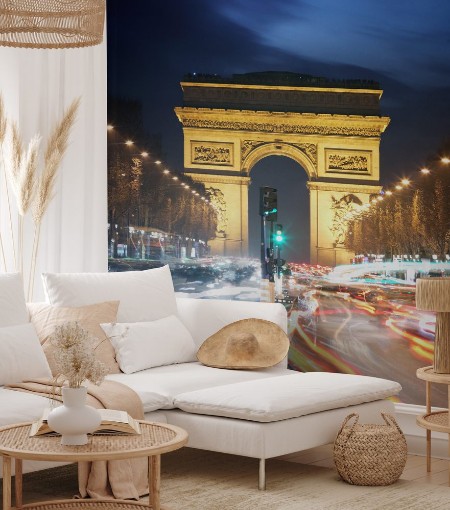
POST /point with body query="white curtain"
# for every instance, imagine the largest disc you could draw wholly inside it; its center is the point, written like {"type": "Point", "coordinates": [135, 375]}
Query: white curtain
{"type": "Point", "coordinates": [37, 86]}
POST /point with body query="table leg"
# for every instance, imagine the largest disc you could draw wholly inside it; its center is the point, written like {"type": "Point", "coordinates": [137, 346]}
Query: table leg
{"type": "Point", "coordinates": [18, 482]}
{"type": "Point", "coordinates": [428, 402]}
{"type": "Point", "coordinates": [154, 481]}
{"type": "Point", "coordinates": [449, 458]}
{"type": "Point", "coordinates": [6, 483]}
{"type": "Point", "coordinates": [428, 451]}
{"type": "Point", "coordinates": [448, 415]}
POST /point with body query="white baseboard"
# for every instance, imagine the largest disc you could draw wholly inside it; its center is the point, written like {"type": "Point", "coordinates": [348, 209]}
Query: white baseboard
{"type": "Point", "coordinates": [406, 415]}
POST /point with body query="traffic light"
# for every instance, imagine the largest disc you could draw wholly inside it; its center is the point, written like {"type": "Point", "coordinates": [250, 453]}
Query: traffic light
{"type": "Point", "coordinates": [268, 203]}
{"type": "Point", "coordinates": [278, 235]}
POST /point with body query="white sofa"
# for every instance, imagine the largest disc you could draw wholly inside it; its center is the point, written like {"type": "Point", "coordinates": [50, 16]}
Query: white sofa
{"type": "Point", "coordinates": [255, 413]}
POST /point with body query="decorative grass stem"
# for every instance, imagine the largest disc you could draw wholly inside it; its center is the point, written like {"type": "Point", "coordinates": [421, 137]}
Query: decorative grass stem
{"type": "Point", "coordinates": [20, 242]}
{"type": "Point", "coordinates": [36, 238]}
{"type": "Point", "coordinates": [11, 230]}
{"type": "Point", "coordinates": [2, 249]}
{"type": "Point", "coordinates": [3, 127]}
{"type": "Point", "coordinates": [54, 153]}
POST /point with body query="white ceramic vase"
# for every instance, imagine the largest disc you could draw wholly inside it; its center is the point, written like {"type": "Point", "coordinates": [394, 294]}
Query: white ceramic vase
{"type": "Point", "coordinates": [74, 419]}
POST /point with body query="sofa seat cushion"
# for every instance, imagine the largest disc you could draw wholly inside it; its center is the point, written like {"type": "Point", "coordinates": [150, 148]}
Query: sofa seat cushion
{"type": "Point", "coordinates": [20, 407]}
{"type": "Point", "coordinates": [157, 387]}
{"type": "Point", "coordinates": [286, 396]}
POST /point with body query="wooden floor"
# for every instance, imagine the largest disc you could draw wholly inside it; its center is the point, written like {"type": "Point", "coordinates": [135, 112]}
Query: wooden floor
{"type": "Point", "coordinates": [415, 469]}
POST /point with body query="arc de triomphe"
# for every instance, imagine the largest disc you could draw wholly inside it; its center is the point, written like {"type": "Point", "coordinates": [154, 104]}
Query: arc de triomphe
{"type": "Point", "coordinates": [331, 129]}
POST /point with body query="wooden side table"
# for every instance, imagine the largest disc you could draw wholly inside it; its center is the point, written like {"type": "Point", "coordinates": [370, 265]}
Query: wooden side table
{"type": "Point", "coordinates": [155, 439]}
{"type": "Point", "coordinates": [439, 421]}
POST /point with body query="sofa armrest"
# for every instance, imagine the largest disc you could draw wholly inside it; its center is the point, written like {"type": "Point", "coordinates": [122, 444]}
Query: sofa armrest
{"type": "Point", "coordinates": [203, 317]}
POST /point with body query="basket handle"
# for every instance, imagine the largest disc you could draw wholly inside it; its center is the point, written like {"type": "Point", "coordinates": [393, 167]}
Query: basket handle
{"type": "Point", "coordinates": [347, 419]}
{"type": "Point", "coordinates": [390, 420]}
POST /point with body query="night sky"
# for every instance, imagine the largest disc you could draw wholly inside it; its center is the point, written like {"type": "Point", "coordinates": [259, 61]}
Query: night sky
{"type": "Point", "coordinates": [402, 44]}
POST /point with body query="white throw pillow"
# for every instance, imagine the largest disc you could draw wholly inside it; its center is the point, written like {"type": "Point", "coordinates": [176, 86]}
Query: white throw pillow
{"type": "Point", "coordinates": [21, 355]}
{"type": "Point", "coordinates": [144, 295]}
{"type": "Point", "coordinates": [142, 345]}
{"type": "Point", "coordinates": [13, 308]}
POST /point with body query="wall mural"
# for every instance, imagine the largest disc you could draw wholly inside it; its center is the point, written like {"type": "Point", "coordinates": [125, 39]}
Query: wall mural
{"type": "Point", "coordinates": [356, 316]}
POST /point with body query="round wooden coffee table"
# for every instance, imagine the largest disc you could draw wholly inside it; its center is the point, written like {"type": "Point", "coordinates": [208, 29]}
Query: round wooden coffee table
{"type": "Point", "coordinates": [155, 439]}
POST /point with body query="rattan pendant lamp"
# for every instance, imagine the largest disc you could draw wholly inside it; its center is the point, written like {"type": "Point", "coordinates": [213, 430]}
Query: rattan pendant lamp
{"type": "Point", "coordinates": [51, 23]}
{"type": "Point", "coordinates": [433, 294]}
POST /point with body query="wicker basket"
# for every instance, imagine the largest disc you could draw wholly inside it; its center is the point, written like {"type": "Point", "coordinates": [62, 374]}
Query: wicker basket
{"type": "Point", "coordinates": [370, 454]}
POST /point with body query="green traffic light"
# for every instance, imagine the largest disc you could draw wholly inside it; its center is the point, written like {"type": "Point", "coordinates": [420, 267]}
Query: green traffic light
{"type": "Point", "coordinates": [278, 236]}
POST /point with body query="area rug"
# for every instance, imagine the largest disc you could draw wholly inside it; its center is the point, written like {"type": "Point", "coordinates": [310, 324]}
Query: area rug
{"type": "Point", "coordinates": [201, 480]}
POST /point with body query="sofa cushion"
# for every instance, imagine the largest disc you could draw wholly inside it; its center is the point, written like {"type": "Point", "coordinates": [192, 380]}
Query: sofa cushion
{"type": "Point", "coordinates": [141, 345]}
{"type": "Point", "coordinates": [286, 396]}
{"type": "Point", "coordinates": [13, 308]}
{"type": "Point", "coordinates": [157, 387]}
{"type": "Point", "coordinates": [21, 355]}
{"type": "Point", "coordinates": [20, 407]}
{"type": "Point", "coordinates": [47, 317]}
{"type": "Point", "coordinates": [144, 295]}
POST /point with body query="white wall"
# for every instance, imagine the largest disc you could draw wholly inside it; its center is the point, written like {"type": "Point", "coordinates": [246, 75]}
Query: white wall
{"type": "Point", "coordinates": [37, 86]}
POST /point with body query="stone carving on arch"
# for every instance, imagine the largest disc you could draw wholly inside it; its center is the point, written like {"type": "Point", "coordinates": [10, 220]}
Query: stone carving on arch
{"type": "Point", "coordinates": [305, 154]}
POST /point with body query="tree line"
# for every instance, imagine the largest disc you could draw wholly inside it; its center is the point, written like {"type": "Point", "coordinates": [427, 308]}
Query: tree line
{"type": "Point", "coordinates": [414, 220]}
{"type": "Point", "coordinates": [141, 195]}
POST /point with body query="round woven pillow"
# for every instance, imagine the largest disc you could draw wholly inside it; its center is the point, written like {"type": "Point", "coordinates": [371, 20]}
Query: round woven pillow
{"type": "Point", "coordinates": [370, 454]}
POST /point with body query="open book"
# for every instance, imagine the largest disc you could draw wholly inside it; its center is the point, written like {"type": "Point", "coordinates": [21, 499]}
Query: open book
{"type": "Point", "coordinates": [113, 422]}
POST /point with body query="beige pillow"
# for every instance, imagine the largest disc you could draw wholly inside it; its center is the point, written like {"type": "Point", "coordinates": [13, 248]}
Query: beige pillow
{"type": "Point", "coordinates": [46, 317]}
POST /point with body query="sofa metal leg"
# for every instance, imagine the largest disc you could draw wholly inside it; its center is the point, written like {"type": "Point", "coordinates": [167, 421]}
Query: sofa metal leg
{"type": "Point", "coordinates": [262, 475]}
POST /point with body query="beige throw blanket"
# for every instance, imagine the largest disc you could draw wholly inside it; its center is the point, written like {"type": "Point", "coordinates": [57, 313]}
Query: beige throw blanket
{"type": "Point", "coordinates": [120, 479]}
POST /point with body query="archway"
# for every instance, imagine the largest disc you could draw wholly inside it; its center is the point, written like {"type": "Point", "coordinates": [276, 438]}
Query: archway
{"type": "Point", "coordinates": [331, 129]}
{"type": "Point", "coordinates": [289, 178]}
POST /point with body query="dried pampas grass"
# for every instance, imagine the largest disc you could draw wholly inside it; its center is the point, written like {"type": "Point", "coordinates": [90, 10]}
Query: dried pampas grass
{"type": "Point", "coordinates": [3, 120]}
{"type": "Point", "coordinates": [21, 168]}
{"type": "Point", "coordinates": [27, 176]}
{"type": "Point", "coordinates": [33, 190]}
{"type": "Point", "coordinates": [54, 153]}
{"type": "Point", "coordinates": [3, 126]}
{"type": "Point", "coordinates": [56, 147]}
{"type": "Point", "coordinates": [13, 156]}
